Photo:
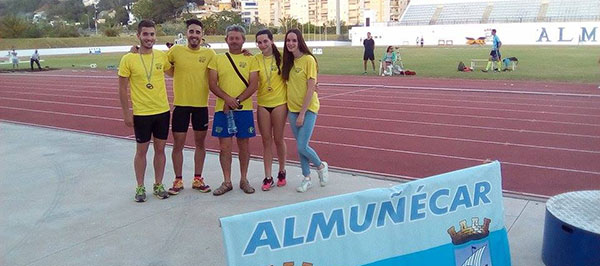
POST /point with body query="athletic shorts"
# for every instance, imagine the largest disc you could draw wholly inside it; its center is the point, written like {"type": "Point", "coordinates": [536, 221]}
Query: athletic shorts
{"type": "Point", "coordinates": [146, 126]}
{"type": "Point", "coordinates": [495, 54]}
{"type": "Point", "coordinates": [181, 118]}
{"type": "Point", "coordinates": [244, 121]}
{"type": "Point", "coordinates": [369, 55]}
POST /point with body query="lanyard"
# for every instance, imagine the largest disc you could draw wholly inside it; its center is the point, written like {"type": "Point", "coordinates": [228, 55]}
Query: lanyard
{"type": "Point", "coordinates": [268, 72]}
{"type": "Point", "coordinates": [148, 75]}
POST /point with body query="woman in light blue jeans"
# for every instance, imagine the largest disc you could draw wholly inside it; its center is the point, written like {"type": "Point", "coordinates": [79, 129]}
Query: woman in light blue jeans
{"type": "Point", "coordinates": [299, 71]}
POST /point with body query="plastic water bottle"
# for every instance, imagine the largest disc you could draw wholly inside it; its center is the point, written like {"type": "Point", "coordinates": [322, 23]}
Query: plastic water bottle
{"type": "Point", "coordinates": [231, 128]}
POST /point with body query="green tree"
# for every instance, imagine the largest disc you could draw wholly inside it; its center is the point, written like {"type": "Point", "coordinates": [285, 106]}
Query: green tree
{"type": "Point", "coordinates": [12, 26]}
{"type": "Point", "coordinates": [288, 23]}
{"type": "Point", "coordinates": [158, 10]}
{"type": "Point", "coordinates": [69, 10]}
{"type": "Point", "coordinates": [143, 9]}
{"type": "Point", "coordinates": [226, 18]}
{"type": "Point", "coordinates": [210, 25]}
{"type": "Point", "coordinates": [19, 7]}
{"type": "Point", "coordinates": [121, 15]}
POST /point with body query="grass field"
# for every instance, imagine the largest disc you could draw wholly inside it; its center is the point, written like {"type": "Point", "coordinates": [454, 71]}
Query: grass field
{"type": "Point", "coordinates": [547, 63]}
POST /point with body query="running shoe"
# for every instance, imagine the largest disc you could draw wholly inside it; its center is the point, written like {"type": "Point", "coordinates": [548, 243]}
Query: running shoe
{"type": "Point", "coordinates": [281, 179]}
{"type": "Point", "coordinates": [198, 184]}
{"type": "Point", "coordinates": [305, 185]}
{"type": "Point", "coordinates": [160, 192]}
{"type": "Point", "coordinates": [177, 187]}
{"type": "Point", "coordinates": [140, 194]}
{"type": "Point", "coordinates": [324, 174]}
{"type": "Point", "coordinates": [268, 183]}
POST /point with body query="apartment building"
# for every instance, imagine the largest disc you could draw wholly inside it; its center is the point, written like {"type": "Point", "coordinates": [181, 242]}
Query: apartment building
{"type": "Point", "coordinates": [318, 12]}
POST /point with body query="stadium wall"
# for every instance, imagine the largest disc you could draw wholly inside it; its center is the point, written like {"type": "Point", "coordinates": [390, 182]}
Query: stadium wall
{"type": "Point", "coordinates": [556, 33]}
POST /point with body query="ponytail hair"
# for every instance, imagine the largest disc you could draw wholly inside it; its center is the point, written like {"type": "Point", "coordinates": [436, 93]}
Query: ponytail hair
{"type": "Point", "coordinates": [276, 52]}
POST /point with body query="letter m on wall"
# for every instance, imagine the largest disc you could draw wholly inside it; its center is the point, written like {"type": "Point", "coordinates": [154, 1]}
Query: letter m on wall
{"type": "Point", "coordinates": [585, 36]}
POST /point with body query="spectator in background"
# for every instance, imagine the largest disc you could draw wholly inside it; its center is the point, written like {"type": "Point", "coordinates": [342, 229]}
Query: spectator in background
{"type": "Point", "coordinates": [369, 54]}
{"type": "Point", "coordinates": [14, 59]}
{"type": "Point", "coordinates": [495, 55]}
{"type": "Point", "coordinates": [422, 41]}
{"type": "Point", "coordinates": [388, 59]}
{"type": "Point", "coordinates": [35, 57]}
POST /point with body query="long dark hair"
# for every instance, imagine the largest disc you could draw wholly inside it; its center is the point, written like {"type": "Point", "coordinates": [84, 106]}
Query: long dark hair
{"type": "Point", "coordinates": [288, 57]}
{"type": "Point", "coordinates": [276, 52]}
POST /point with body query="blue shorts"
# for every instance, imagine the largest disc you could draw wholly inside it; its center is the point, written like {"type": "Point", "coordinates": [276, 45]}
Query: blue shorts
{"type": "Point", "coordinates": [244, 121]}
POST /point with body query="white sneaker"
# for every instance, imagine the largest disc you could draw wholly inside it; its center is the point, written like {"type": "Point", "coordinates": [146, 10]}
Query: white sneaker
{"type": "Point", "coordinates": [324, 174]}
{"type": "Point", "coordinates": [305, 185]}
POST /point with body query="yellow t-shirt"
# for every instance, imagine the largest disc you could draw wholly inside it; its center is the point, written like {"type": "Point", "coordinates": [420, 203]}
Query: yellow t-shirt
{"type": "Point", "coordinates": [229, 81]}
{"type": "Point", "coordinates": [267, 68]}
{"type": "Point", "coordinates": [190, 80]}
{"type": "Point", "coordinates": [304, 68]}
{"type": "Point", "coordinates": [146, 101]}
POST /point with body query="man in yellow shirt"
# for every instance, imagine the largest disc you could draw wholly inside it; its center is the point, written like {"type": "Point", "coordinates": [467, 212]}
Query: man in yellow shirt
{"type": "Point", "coordinates": [190, 87]}
{"type": "Point", "coordinates": [233, 78]}
{"type": "Point", "coordinates": [144, 73]}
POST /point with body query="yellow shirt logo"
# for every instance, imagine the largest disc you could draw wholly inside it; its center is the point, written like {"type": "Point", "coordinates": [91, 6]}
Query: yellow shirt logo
{"type": "Point", "coordinates": [159, 66]}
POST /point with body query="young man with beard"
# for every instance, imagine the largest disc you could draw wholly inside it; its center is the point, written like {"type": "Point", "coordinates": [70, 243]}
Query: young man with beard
{"type": "Point", "coordinates": [190, 86]}
{"type": "Point", "coordinates": [144, 73]}
{"type": "Point", "coordinates": [233, 78]}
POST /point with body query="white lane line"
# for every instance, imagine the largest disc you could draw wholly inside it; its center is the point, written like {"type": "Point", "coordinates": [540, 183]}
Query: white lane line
{"type": "Point", "coordinates": [338, 116]}
{"type": "Point", "coordinates": [425, 88]}
{"type": "Point", "coordinates": [464, 126]}
{"type": "Point", "coordinates": [411, 112]}
{"type": "Point", "coordinates": [461, 139]}
{"type": "Point", "coordinates": [343, 93]}
{"type": "Point", "coordinates": [61, 113]}
{"type": "Point", "coordinates": [454, 157]}
{"type": "Point", "coordinates": [470, 101]}
{"type": "Point", "coordinates": [384, 149]}
{"type": "Point", "coordinates": [63, 103]}
{"type": "Point", "coordinates": [389, 105]}
{"type": "Point", "coordinates": [463, 115]}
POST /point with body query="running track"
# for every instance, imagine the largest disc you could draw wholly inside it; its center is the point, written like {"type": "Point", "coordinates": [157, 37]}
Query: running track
{"type": "Point", "coordinates": [547, 136]}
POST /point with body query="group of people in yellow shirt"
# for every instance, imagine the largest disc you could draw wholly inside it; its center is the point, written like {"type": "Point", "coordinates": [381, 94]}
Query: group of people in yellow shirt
{"type": "Point", "coordinates": [286, 85]}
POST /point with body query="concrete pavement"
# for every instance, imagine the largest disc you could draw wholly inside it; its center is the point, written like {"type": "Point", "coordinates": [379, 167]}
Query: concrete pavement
{"type": "Point", "coordinates": [67, 199]}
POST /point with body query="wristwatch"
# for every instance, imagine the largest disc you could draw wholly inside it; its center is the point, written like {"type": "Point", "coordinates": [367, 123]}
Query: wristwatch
{"type": "Point", "coordinates": [237, 99]}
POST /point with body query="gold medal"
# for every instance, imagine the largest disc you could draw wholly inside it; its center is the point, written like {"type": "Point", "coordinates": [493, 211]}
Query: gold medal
{"type": "Point", "coordinates": [149, 86]}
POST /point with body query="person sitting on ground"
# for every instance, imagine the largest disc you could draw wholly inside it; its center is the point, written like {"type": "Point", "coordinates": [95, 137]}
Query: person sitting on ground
{"type": "Point", "coordinates": [388, 59]}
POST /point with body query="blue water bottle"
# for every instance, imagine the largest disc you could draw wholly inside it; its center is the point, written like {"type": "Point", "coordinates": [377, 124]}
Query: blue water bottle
{"type": "Point", "coordinates": [231, 128]}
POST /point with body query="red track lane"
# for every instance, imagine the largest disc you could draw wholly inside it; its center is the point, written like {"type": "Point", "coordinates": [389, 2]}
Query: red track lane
{"type": "Point", "coordinates": [547, 136]}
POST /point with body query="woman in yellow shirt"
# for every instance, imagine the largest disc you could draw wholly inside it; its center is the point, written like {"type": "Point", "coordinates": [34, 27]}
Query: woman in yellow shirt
{"type": "Point", "coordinates": [272, 108]}
{"type": "Point", "coordinates": [300, 73]}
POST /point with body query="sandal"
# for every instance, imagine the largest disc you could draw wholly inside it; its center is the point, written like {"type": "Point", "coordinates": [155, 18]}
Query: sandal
{"type": "Point", "coordinates": [224, 188]}
{"type": "Point", "coordinates": [245, 186]}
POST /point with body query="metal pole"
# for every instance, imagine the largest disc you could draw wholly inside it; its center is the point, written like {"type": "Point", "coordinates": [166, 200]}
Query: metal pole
{"type": "Point", "coordinates": [338, 29]}
{"type": "Point", "coordinates": [96, 18]}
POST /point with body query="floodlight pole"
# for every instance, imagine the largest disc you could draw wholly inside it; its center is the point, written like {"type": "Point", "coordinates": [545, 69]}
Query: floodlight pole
{"type": "Point", "coordinates": [338, 29]}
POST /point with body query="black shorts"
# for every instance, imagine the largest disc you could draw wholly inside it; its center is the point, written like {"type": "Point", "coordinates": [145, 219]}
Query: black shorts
{"type": "Point", "coordinates": [369, 56]}
{"type": "Point", "coordinates": [495, 54]}
{"type": "Point", "coordinates": [146, 126]}
{"type": "Point", "coordinates": [181, 118]}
